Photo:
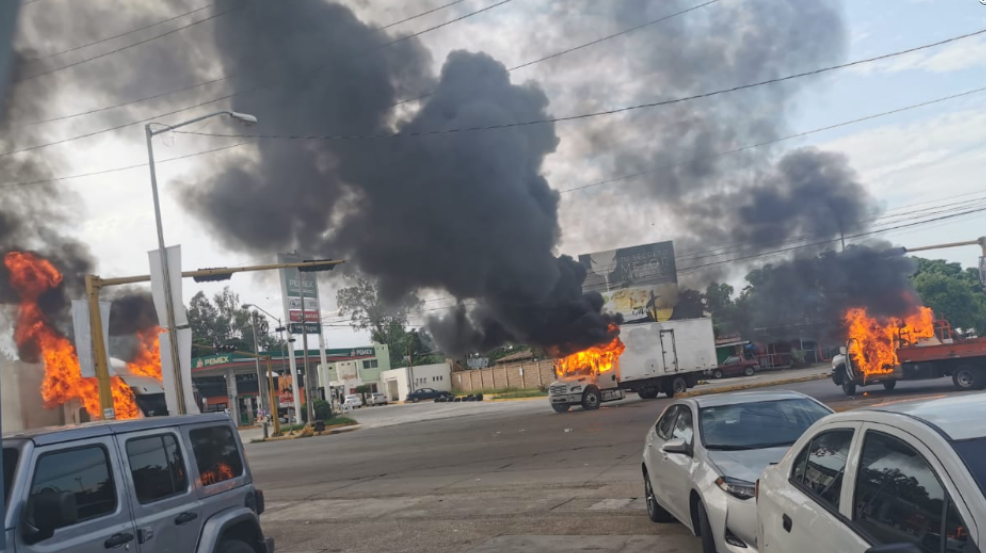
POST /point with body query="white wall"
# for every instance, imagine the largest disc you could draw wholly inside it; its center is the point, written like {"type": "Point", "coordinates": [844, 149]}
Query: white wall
{"type": "Point", "coordinates": [23, 407]}
{"type": "Point", "coordinates": [437, 376]}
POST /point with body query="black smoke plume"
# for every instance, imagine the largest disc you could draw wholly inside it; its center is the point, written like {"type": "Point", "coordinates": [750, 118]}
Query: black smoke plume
{"type": "Point", "coordinates": [470, 214]}
{"type": "Point", "coordinates": [810, 294]}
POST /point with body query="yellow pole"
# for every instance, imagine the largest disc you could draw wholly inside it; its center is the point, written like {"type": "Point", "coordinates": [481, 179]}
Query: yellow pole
{"type": "Point", "coordinates": [102, 363]}
{"type": "Point", "coordinates": [273, 398]}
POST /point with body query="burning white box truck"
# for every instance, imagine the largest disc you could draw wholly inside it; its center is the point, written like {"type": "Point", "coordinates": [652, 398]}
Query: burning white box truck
{"type": "Point", "coordinates": [647, 358]}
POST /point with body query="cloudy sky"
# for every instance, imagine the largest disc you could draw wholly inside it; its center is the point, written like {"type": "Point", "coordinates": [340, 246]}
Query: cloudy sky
{"type": "Point", "coordinates": [909, 162]}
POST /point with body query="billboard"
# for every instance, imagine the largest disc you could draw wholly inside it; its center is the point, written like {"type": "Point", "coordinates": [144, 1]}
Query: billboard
{"type": "Point", "coordinates": [295, 286]}
{"type": "Point", "coordinates": [639, 282]}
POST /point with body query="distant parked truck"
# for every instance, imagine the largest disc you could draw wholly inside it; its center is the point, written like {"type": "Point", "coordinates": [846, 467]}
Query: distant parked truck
{"type": "Point", "coordinates": [667, 357]}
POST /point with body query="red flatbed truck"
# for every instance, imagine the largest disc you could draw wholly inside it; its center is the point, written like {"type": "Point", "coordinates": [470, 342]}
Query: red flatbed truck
{"type": "Point", "coordinates": [964, 359]}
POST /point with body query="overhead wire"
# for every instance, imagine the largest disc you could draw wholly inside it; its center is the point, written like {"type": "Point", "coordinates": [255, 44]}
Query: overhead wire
{"type": "Point", "coordinates": [581, 116]}
{"type": "Point", "coordinates": [123, 48]}
{"type": "Point", "coordinates": [109, 38]}
{"type": "Point", "coordinates": [241, 92]}
{"type": "Point", "coordinates": [581, 46]}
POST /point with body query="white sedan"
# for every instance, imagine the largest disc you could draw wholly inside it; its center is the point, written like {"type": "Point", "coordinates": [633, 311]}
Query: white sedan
{"type": "Point", "coordinates": [903, 478]}
{"type": "Point", "coordinates": [704, 455]}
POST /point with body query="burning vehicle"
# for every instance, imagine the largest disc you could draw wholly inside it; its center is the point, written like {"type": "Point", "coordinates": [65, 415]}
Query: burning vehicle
{"type": "Point", "coordinates": [136, 384]}
{"type": "Point", "coordinates": [656, 357]}
{"type": "Point", "coordinates": [916, 347]}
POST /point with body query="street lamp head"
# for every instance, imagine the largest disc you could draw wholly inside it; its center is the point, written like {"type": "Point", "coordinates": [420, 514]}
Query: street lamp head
{"type": "Point", "coordinates": [244, 118]}
{"type": "Point", "coordinates": [247, 306]}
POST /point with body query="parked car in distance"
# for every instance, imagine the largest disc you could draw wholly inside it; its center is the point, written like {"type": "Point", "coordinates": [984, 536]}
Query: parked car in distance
{"type": "Point", "coordinates": [736, 365]}
{"type": "Point", "coordinates": [154, 484]}
{"type": "Point", "coordinates": [426, 393]}
{"type": "Point", "coordinates": [353, 401]}
{"type": "Point", "coordinates": [703, 457]}
{"type": "Point", "coordinates": [907, 478]}
{"type": "Point", "coordinates": [376, 398]}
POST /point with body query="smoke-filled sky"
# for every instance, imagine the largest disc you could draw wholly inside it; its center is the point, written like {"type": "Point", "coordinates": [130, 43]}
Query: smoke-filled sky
{"type": "Point", "coordinates": [480, 215]}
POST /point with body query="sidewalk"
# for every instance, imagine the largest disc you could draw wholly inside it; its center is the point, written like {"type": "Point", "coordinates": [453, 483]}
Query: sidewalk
{"type": "Point", "coordinates": [764, 379]}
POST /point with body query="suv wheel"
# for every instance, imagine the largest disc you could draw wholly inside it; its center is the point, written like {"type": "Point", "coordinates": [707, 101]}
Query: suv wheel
{"type": "Point", "coordinates": [235, 546]}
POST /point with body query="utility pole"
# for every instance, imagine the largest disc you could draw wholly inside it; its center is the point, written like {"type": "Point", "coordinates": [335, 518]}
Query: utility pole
{"type": "Point", "coordinates": [256, 348]}
{"type": "Point", "coordinates": [304, 344]}
{"type": "Point", "coordinates": [94, 284]}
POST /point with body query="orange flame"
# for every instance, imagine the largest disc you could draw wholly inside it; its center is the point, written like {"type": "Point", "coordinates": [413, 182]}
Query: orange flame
{"type": "Point", "coordinates": [221, 473]}
{"type": "Point", "coordinates": [597, 359]}
{"type": "Point", "coordinates": [873, 343]}
{"type": "Point", "coordinates": [31, 276]}
{"type": "Point", "coordinates": [147, 362]}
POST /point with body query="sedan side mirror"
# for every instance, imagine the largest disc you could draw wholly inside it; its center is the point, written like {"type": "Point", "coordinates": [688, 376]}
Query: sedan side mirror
{"type": "Point", "coordinates": [48, 511]}
{"type": "Point", "coordinates": [906, 547]}
{"type": "Point", "coordinates": [677, 446]}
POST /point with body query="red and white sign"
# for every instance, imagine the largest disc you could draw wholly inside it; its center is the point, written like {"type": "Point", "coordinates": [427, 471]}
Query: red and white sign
{"type": "Point", "coordinates": [310, 316]}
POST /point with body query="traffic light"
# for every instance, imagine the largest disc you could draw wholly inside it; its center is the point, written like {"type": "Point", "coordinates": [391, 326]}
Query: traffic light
{"type": "Point", "coordinates": [214, 277]}
{"type": "Point", "coordinates": [316, 268]}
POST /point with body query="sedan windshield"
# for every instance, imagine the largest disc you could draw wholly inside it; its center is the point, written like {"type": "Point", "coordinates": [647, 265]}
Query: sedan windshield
{"type": "Point", "coordinates": [757, 425]}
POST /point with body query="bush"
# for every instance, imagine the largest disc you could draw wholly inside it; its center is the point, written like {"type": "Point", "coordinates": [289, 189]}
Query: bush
{"type": "Point", "coordinates": [323, 411]}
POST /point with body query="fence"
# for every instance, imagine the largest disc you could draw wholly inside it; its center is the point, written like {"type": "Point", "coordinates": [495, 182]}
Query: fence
{"type": "Point", "coordinates": [523, 375]}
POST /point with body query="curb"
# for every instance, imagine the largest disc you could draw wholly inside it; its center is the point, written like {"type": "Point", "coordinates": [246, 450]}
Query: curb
{"type": "Point", "coordinates": [754, 385]}
{"type": "Point", "coordinates": [328, 432]}
{"type": "Point", "coordinates": [516, 398]}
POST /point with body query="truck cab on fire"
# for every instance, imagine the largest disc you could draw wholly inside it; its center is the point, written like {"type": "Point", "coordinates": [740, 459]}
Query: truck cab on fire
{"type": "Point", "coordinates": [647, 358]}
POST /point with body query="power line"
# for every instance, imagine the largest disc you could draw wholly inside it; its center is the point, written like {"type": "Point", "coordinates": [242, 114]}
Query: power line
{"type": "Point", "coordinates": [100, 41]}
{"type": "Point", "coordinates": [235, 93]}
{"type": "Point", "coordinates": [124, 168]}
{"type": "Point", "coordinates": [600, 183]}
{"type": "Point", "coordinates": [614, 35]}
{"type": "Point", "coordinates": [579, 47]}
{"type": "Point", "coordinates": [422, 14]}
{"type": "Point", "coordinates": [589, 115]}
{"type": "Point", "coordinates": [829, 241]}
{"type": "Point", "coordinates": [122, 48]}
{"type": "Point", "coordinates": [774, 141]}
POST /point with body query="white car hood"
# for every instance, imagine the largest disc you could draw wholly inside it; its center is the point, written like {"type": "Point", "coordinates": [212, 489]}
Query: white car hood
{"type": "Point", "coordinates": [746, 464]}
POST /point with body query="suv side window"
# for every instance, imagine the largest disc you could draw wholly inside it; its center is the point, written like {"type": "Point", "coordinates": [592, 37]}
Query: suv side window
{"type": "Point", "coordinates": [216, 454]}
{"type": "Point", "coordinates": [818, 469]}
{"type": "Point", "coordinates": [683, 426]}
{"type": "Point", "coordinates": [83, 471]}
{"type": "Point", "coordinates": [157, 467]}
{"type": "Point", "coordinates": [666, 423]}
{"type": "Point", "coordinates": [899, 498]}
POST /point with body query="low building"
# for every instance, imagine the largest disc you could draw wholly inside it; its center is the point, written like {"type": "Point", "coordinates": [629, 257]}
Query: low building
{"type": "Point", "coordinates": [362, 366]}
{"type": "Point", "coordinates": [397, 383]}
{"type": "Point", "coordinates": [229, 381]}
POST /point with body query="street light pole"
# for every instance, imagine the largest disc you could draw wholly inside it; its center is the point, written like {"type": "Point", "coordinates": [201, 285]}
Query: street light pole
{"type": "Point", "coordinates": [256, 349]}
{"type": "Point", "coordinates": [169, 305]}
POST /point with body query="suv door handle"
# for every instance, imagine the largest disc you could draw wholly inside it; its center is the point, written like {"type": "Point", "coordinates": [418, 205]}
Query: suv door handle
{"type": "Point", "coordinates": [787, 523]}
{"type": "Point", "coordinates": [185, 518]}
{"type": "Point", "coordinates": [116, 540]}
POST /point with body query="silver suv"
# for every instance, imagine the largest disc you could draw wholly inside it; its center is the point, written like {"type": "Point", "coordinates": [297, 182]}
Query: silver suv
{"type": "Point", "coordinates": [150, 485]}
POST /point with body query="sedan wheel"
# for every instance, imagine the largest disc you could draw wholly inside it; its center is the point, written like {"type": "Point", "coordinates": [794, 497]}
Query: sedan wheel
{"type": "Point", "coordinates": [717, 374]}
{"type": "Point", "coordinates": [654, 510]}
{"type": "Point", "coordinates": [749, 371]}
{"type": "Point", "coordinates": [705, 530]}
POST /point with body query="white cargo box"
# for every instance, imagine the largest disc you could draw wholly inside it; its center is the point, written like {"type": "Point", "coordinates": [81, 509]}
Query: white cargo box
{"type": "Point", "coordinates": [672, 347]}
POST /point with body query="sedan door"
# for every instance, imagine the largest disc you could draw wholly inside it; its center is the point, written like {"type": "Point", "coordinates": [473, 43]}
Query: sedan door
{"type": "Point", "coordinates": [677, 468]}
{"type": "Point", "coordinates": [803, 508]}
{"type": "Point", "coordinates": [654, 456]}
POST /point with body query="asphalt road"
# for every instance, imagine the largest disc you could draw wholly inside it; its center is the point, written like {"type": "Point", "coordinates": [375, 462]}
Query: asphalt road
{"type": "Point", "coordinates": [507, 476]}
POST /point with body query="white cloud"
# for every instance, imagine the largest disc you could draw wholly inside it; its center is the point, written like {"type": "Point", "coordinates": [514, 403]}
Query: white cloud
{"type": "Point", "coordinates": [955, 56]}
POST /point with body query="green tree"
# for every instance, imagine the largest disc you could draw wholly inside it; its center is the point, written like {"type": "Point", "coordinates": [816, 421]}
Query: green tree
{"type": "Point", "coordinates": [222, 321]}
{"type": "Point", "coordinates": [952, 293]}
{"type": "Point", "coordinates": [387, 322]}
